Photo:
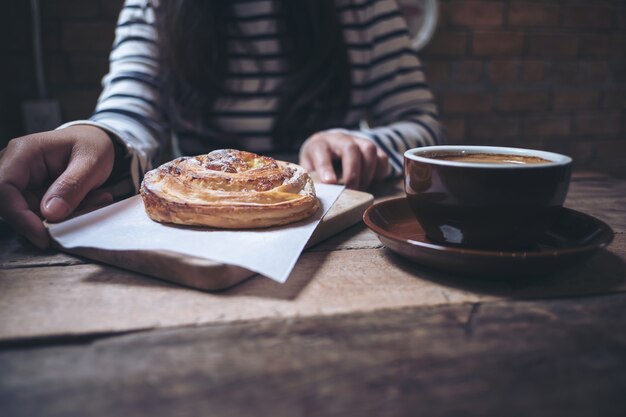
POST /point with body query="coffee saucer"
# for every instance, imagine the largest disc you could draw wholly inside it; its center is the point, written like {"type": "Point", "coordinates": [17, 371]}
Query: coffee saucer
{"type": "Point", "coordinates": [573, 238]}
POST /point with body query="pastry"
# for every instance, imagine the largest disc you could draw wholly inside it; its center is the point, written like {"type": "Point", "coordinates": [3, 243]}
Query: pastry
{"type": "Point", "coordinates": [229, 189]}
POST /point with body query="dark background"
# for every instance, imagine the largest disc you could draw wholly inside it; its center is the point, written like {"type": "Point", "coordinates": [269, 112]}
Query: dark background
{"type": "Point", "coordinates": [547, 74]}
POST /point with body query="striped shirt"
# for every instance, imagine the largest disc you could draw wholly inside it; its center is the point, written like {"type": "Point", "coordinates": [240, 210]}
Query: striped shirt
{"type": "Point", "coordinates": [388, 86]}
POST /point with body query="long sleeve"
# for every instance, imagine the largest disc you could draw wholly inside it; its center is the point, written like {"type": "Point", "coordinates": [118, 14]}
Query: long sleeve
{"type": "Point", "coordinates": [128, 107]}
{"type": "Point", "coordinates": [389, 87]}
{"type": "Point", "coordinates": [400, 108]}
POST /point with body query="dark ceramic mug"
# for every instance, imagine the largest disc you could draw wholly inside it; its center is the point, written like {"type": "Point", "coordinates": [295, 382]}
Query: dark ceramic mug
{"type": "Point", "coordinates": [503, 201]}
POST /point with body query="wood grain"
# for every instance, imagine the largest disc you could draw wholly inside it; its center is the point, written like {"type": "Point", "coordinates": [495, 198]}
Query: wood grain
{"type": "Point", "coordinates": [207, 274]}
{"type": "Point", "coordinates": [355, 331]}
{"type": "Point", "coordinates": [542, 358]}
{"type": "Point", "coordinates": [87, 299]}
{"type": "Point", "coordinates": [595, 194]}
{"type": "Point", "coordinates": [47, 294]}
{"type": "Point", "coordinates": [602, 197]}
{"type": "Point", "coordinates": [15, 252]}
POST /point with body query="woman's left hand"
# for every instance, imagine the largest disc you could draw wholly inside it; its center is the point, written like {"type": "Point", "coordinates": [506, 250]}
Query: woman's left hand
{"type": "Point", "coordinates": [361, 160]}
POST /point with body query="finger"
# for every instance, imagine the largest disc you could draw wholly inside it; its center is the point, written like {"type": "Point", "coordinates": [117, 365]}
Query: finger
{"type": "Point", "coordinates": [305, 162]}
{"type": "Point", "coordinates": [69, 189]}
{"type": "Point", "coordinates": [351, 164]}
{"type": "Point", "coordinates": [321, 157]}
{"type": "Point", "coordinates": [15, 171]}
{"type": "Point", "coordinates": [14, 209]}
{"type": "Point", "coordinates": [382, 165]}
{"type": "Point", "coordinates": [32, 199]}
{"type": "Point", "coordinates": [370, 162]}
{"type": "Point", "coordinates": [308, 166]}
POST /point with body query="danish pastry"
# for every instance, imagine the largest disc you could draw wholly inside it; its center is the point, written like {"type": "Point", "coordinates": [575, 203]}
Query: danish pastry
{"type": "Point", "coordinates": [229, 189]}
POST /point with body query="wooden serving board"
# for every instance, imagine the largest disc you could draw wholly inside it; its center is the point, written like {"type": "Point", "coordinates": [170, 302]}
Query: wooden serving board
{"type": "Point", "coordinates": [205, 274]}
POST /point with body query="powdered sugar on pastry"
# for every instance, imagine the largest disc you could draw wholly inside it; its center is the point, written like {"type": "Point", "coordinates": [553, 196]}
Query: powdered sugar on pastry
{"type": "Point", "coordinates": [228, 188]}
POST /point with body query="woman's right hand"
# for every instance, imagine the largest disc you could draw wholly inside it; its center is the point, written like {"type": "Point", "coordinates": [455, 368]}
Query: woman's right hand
{"type": "Point", "coordinates": [47, 175]}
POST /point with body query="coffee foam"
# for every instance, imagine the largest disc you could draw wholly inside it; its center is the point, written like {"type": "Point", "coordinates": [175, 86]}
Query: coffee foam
{"type": "Point", "coordinates": [488, 158]}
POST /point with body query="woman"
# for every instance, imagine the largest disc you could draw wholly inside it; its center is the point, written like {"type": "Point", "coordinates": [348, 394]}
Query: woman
{"type": "Point", "coordinates": [260, 75]}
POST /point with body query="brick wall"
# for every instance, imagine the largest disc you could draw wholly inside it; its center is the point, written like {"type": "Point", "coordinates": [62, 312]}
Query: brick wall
{"type": "Point", "coordinates": [77, 37]}
{"type": "Point", "coordinates": [548, 74]}
{"type": "Point", "coordinates": [543, 74]}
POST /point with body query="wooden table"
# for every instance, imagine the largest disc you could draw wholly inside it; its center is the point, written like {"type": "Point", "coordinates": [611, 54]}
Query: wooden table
{"type": "Point", "coordinates": [356, 331]}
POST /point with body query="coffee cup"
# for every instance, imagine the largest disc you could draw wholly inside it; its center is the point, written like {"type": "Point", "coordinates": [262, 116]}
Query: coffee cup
{"type": "Point", "coordinates": [485, 196]}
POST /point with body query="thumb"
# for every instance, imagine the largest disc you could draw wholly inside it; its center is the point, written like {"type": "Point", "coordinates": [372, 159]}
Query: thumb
{"type": "Point", "coordinates": [69, 189]}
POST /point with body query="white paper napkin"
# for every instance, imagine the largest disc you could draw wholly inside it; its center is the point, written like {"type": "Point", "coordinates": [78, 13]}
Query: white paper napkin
{"type": "Point", "coordinates": [125, 225]}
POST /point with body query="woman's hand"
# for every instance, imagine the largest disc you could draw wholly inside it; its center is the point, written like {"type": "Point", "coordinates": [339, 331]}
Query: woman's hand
{"type": "Point", "coordinates": [361, 160]}
{"type": "Point", "coordinates": [48, 174]}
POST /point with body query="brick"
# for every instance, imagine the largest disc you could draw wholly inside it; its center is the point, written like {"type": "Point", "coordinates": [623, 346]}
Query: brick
{"type": "Point", "coordinates": [614, 100]}
{"type": "Point", "coordinates": [495, 127]}
{"type": "Point", "coordinates": [596, 72]}
{"type": "Point", "coordinates": [454, 130]}
{"type": "Point", "coordinates": [69, 8]}
{"type": "Point", "coordinates": [594, 17]}
{"type": "Point", "coordinates": [553, 45]}
{"type": "Point", "coordinates": [619, 72]}
{"type": "Point", "coordinates": [595, 45]}
{"type": "Point", "coordinates": [547, 126]}
{"type": "Point", "coordinates": [443, 20]}
{"type": "Point", "coordinates": [533, 15]}
{"type": "Point", "coordinates": [437, 72]}
{"type": "Point", "coordinates": [88, 69]}
{"type": "Point", "coordinates": [618, 43]}
{"type": "Point", "coordinates": [566, 72]}
{"type": "Point", "coordinates": [576, 100]}
{"type": "Point", "coordinates": [605, 160]}
{"type": "Point", "coordinates": [514, 141]}
{"type": "Point", "coordinates": [446, 44]}
{"type": "Point", "coordinates": [523, 101]}
{"type": "Point", "coordinates": [469, 71]}
{"type": "Point", "coordinates": [476, 13]}
{"type": "Point", "coordinates": [598, 124]}
{"type": "Point", "coordinates": [621, 19]}
{"type": "Point", "coordinates": [475, 102]}
{"type": "Point", "coordinates": [535, 143]}
{"type": "Point", "coordinates": [498, 43]}
{"type": "Point", "coordinates": [582, 152]}
{"type": "Point", "coordinates": [439, 98]}
{"type": "Point", "coordinates": [501, 71]}
{"type": "Point", "coordinates": [532, 71]}
{"type": "Point", "coordinates": [88, 36]}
